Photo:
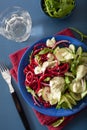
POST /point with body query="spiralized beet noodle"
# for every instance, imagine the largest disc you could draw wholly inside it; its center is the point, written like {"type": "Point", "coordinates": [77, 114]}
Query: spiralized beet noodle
{"type": "Point", "coordinates": [37, 81]}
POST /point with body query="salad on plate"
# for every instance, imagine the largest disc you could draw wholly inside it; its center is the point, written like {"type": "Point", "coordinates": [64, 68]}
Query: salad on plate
{"type": "Point", "coordinates": [56, 74]}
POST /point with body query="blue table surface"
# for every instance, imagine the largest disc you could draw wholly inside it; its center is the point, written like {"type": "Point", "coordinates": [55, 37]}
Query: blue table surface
{"type": "Point", "coordinates": [42, 26]}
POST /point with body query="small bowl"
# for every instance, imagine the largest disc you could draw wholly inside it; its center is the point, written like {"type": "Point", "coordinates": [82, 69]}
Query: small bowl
{"type": "Point", "coordinates": [63, 16]}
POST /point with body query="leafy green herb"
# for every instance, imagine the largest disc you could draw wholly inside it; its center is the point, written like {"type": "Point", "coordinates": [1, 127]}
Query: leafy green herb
{"type": "Point", "coordinates": [58, 8]}
{"type": "Point", "coordinates": [31, 91]}
{"type": "Point", "coordinates": [45, 50]}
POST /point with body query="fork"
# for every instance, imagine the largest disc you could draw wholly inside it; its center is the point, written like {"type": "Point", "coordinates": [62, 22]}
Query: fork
{"type": "Point", "coordinates": [7, 77]}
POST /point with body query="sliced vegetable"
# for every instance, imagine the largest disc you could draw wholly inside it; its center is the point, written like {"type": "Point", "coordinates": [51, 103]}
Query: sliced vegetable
{"type": "Point", "coordinates": [70, 98]}
{"type": "Point", "coordinates": [57, 83]}
{"type": "Point", "coordinates": [58, 122]}
{"type": "Point", "coordinates": [69, 74]}
{"type": "Point", "coordinates": [76, 96]}
{"type": "Point", "coordinates": [78, 86]}
{"type": "Point", "coordinates": [81, 71]}
{"type": "Point", "coordinates": [45, 93]}
{"type": "Point", "coordinates": [67, 80]}
{"type": "Point", "coordinates": [64, 54]}
{"type": "Point", "coordinates": [79, 51]}
{"type": "Point", "coordinates": [45, 50]}
{"type": "Point", "coordinates": [64, 99]}
{"type": "Point", "coordinates": [83, 94]}
{"type": "Point", "coordinates": [72, 47]}
{"type": "Point", "coordinates": [31, 91]}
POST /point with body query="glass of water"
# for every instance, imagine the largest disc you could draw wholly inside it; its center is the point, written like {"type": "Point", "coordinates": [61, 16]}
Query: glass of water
{"type": "Point", "coordinates": [15, 24]}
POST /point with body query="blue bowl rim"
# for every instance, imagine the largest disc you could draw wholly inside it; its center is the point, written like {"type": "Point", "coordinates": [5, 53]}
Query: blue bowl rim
{"type": "Point", "coordinates": [50, 111]}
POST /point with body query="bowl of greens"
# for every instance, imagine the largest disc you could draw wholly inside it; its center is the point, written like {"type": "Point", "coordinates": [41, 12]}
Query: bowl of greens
{"type": "Point", "coordinates": [58, 8]}
{"type": "Point", "coordinates": [52, 76]}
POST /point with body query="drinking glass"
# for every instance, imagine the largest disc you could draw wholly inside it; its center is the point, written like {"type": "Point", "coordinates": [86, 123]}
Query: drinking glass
{"type": "Point", "coordinates": [15, 24]}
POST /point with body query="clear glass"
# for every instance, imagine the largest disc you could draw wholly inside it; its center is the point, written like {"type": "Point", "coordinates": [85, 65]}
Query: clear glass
{"type": "Point", "coordinates": [15, 24]}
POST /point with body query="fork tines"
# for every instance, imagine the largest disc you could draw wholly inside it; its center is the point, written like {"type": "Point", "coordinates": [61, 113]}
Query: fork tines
{"type": "Point", "coordinates": [3, 67]}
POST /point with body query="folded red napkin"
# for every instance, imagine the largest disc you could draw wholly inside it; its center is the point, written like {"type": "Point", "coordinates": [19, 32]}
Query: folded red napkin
{"type": "Point", "coordinates": [43, 119]}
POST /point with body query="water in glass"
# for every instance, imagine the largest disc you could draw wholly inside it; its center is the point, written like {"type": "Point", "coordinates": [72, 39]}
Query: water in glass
{"type": "Point", "coordinates": [16, 24]}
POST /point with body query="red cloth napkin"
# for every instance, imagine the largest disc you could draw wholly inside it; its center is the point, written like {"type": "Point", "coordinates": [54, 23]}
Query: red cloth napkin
{"type": "Point", "coordinates": [43, 119]}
